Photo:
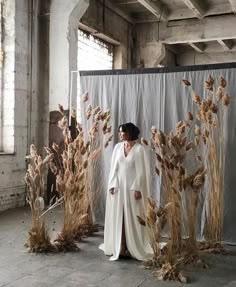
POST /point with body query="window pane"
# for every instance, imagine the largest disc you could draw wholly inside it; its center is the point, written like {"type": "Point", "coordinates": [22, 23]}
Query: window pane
{"type": "Point", "coordinates": [93, 53]}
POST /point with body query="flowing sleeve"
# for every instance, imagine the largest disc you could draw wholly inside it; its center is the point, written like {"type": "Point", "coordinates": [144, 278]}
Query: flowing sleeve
{"type": "Point", "coordinates": [143, 174]}
{"type": "Point", "coordinates": [113, 178]}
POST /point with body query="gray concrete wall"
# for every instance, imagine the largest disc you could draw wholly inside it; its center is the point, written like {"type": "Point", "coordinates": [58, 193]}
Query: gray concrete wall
{"type": "Point", "coordinates": [149, 52]}
{"type": "Point", "coordinates": [63, 35]}
{"type": "Point", "coordinates": [25, 95]}
{"type": "Point", "coordinates": [107, 22]}
{"type": "Point", "coordinates": [195, 58]}
{"type": "Point", "coordinates": [16, 42]}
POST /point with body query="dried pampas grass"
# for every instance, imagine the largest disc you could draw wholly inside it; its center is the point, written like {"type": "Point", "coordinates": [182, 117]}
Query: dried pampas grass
{"type": "Point", "coordinates": [38, 238]}
{"type": "Point", "coordinates": [76, 170]}
{"type": "Point", "coordinates": [211, 114]}
{"type": "Point", "coordinates": [155, 220]}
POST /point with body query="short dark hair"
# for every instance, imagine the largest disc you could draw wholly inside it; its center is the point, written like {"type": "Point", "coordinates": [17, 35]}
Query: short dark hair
{"type": "Point", "coordinates": [131, 129]}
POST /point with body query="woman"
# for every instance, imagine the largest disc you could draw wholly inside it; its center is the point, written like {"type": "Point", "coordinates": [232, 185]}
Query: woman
{"type": "Point", "coordinates": [129, 185]}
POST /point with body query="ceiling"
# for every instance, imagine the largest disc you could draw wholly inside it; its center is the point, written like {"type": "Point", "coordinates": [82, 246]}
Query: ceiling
{"type": "Point", "coordinates": [172, 11]}
{"type": "Point", "coordinates": [168, 10]}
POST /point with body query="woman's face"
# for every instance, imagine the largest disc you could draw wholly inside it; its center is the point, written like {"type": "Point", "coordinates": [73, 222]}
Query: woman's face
{"type": "Point", "coordinates": [123, 136]}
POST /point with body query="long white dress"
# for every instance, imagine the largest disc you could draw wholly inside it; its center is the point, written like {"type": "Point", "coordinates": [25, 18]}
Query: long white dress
{"type": "Point", "coordinates": [128, 174]}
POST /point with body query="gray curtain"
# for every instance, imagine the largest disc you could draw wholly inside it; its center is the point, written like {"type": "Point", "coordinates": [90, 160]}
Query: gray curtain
{"type": "Point", "coordinates": [148, 98]}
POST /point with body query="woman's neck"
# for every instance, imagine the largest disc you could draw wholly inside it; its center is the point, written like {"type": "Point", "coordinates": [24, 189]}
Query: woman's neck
{"type": "Point", "coordinates": [129, 144]}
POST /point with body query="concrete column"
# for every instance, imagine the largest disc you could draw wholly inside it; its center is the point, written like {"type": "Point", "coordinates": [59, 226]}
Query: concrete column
{"type": "Point", "coordinates": [151, 54]}
{"type": "Point", "coordinates": [64, 22]}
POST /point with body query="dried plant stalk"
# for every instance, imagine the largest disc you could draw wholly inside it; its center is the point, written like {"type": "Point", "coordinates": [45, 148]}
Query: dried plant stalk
{"type": "Point", "coordinates": [215, 164]}
{"type": "Point", "coordinates": [211, 113]}
{"type": "Point", "coordinates": [180, 182]}
{"type": "Point", "coordinates": [75, 175]}
{"type": "Point", "coordinates": [155, 220]}
{"type": "Point", "coordinates": [38, 238]}
{"type": "Point", "coordinates": [170, 272]}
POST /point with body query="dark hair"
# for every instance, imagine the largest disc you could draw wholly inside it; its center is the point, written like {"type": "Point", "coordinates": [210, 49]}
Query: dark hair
{"type": "Point", "coordinates": [132, 131]}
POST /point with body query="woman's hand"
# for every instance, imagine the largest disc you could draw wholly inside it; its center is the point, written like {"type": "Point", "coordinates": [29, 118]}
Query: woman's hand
{"type": "Point", "coordinates": [137, 195]}
{"type": "Point", "coordinates": [111, 191]}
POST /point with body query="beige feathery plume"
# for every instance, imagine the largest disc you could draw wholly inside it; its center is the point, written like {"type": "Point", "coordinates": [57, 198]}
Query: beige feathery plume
{"type": "Point", "coordinates": [197, 130]}
{"type": "Point", "coordinates": [141, 221]}
{"type": "Point", "coordinates": [157, 171]}
{"type": "Point", "coordinates": [85, 97]}
{"type": "Point", "coordinates": [53, 167]}
{"type": "Point", "coordinates": [186, 82]}
{"type": "Point", "coordinates": [160, 138]}
{"type": "Point", "coordinates": [219, 93]}
{"type": "Point", "coordinates": [214, 108]}
{"type": "Point", "coordinates": [48, 158]}
{"type": "Point", "coordinates": [222, 82]}
{"type": "Point", "coordinates": [144, 142]}
{"type": "Point", "coordinates": [88, 112]}
{"type": "Point", "coordinates": [61, 109]}
{"type": "Point", "coordinates": [153, 130]}
{"type": "Point", "coordinates": [196, 140]}
{"type": "Point", "coordinates": [48, 150]}
{"type": "Point", "coordinates": [226, 100]}
{"type": "Point", "coordinates": [33, 151]}
{"type": "Point", "coordinates": [189, 116]}
{"type": "Point", "coordinates": [196, 98]}
{"type": "Point", "coordinates": [209, 84]}
{"type": "Point", "coordinates": [198, 180]}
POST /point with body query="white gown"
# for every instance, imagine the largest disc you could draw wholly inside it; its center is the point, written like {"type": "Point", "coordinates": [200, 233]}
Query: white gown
{"type": "Point", "coordinates": [128, 174]}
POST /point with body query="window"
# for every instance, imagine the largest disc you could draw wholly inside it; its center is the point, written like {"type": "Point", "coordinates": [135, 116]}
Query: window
{"type": "Point", "coordinates": [7, 76]}
{"type": "Point", "coordinates": [93, 53]}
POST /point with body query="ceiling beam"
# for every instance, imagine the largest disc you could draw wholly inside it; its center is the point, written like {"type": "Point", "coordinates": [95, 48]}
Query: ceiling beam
{"type": "Point", "coordinates": [98, 34]}
{"type": "Point", "coordinates": [191, 58]}
{"type": "Point", "coordinates": [126, 2]}
{"type": "Point", "coordinates": [172, 48]}
{"type": "Point", "coordinates": [189, 31]}
{"type": "Point", "coordinates": [183, 13]}
{"type": "Point", "coordinates": [233, 5]}
{"type": "Point", "coordinates": [155, 8]}
{"type": "Point", "coordinates": [199, 47]}
{"type": "Point", "coordinates": [196, 7]}
{"type": "Point", "coordinates": [126, 16]}
{"type": "Point", "coordinates": [227, 45]}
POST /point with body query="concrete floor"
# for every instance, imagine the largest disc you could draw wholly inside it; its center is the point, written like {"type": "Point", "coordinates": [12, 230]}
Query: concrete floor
{"type": "Point", "coordinates": [88, 267]}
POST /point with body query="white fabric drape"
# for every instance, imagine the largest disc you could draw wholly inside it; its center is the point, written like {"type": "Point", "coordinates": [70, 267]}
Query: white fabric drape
{"type": "Point", "coordinates": [159, 99]}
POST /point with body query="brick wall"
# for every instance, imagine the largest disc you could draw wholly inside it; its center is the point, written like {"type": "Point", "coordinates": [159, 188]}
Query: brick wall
{"type": "Point", "coordinates": [12, 197]}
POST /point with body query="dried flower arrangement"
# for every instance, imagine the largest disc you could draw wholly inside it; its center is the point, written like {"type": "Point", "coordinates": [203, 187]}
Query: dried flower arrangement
{"type": "Point", "coordinates": [180, 165]}
{"type": "Point", "coordinates": [211, 114]}
{"type": "Point", "coordinates": [74, 169]}
{"type": "Point", "coordinates": [38, 239]}
{"type": "Point", "coordinates": [74, 166]}
{"type": "Point", "coordinates": [180, 183]}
